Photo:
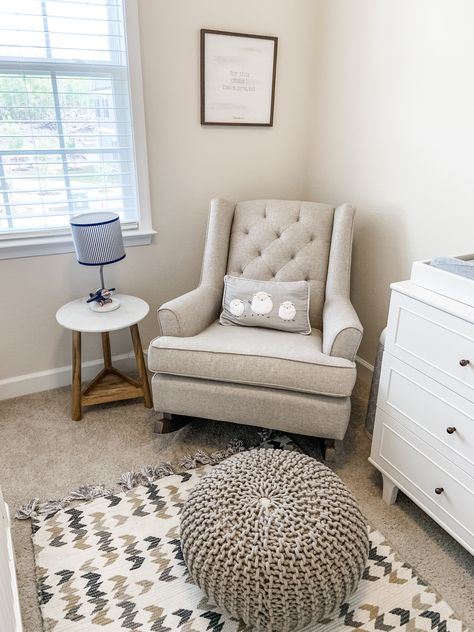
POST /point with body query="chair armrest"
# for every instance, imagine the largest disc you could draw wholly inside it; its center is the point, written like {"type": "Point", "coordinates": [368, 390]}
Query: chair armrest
{"type": "Point", "coordinates": [190, 313]}
{"type": "Point", "coordinates": [342, 329]}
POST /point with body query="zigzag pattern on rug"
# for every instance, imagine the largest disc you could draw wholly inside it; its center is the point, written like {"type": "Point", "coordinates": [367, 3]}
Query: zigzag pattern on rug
{"type": "Point", "coordinates": [115, 563]}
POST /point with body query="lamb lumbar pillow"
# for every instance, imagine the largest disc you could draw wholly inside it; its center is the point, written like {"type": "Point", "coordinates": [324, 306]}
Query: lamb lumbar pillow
{"type": "Point", "coordinates": [280, 305]}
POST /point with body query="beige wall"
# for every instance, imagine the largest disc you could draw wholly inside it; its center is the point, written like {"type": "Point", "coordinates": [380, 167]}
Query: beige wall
{"type": "Point", "coordinates": [393, 133]}
{"type": "Point", "coordinates": [374, 106]}
{"type": "Point", "coordinates": [188, 164]}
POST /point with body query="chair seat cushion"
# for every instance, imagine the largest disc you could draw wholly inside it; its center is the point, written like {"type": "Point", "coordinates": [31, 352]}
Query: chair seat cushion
{"type": "Point", "coordinates": [260, 357]}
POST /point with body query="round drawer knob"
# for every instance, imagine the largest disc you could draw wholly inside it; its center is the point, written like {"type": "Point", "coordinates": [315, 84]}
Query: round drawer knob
{"type": "Point", "coordinates": [463, 362]}
{"type": "Point", "coordinates": [450, 429]}
{"type": "Point", "coordinates": [439, 490]}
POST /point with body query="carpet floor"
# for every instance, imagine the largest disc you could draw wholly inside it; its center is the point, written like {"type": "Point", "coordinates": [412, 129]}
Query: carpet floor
{"type": "Point", "coordinates": [43, 453]}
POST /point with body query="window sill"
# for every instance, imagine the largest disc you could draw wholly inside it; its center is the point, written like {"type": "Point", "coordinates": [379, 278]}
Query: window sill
{"type": "Point", "coordinates": [40, 246]}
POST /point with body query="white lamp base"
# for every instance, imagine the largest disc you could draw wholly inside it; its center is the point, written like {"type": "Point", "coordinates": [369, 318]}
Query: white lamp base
{"type": "Point", "coordinates": [108, 307]}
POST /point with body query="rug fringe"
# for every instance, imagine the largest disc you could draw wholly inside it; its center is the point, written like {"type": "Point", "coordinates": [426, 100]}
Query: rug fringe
{"type": "Point", "coordinates": [146, 475]}
{"type": "Point", "coordinates": [266, 434]}
{"type": "Point", "coordinates": [89, 492]}
{"type": "Point", "coordinates": [27, 509]}
{"type": "Point", "coordinates": [151, 473]}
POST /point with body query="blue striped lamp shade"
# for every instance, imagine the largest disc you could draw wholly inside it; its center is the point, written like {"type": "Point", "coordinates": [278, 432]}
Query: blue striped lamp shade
{"type": "Point", "coordinates": [97, 238]}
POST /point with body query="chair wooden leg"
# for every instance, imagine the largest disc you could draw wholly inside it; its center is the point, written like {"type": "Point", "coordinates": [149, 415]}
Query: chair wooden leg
{"type": "Point", "coordinates": [165, 423]}
{"type": "Point", "coordinates": [76, 407]}
{"type": "Point", "coordinates": [333, 450]}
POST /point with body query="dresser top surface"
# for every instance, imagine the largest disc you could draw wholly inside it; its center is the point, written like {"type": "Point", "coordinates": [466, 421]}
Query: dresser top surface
{"type": "Point", "coordinates": [456, 308]}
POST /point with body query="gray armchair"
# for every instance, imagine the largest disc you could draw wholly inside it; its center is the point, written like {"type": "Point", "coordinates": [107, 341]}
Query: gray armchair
{"type": "Point", "coordinates": [300, 384]}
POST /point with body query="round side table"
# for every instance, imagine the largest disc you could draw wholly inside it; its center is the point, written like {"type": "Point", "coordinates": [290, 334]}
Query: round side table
{"type": "Point", "coordinates": [110, 384]}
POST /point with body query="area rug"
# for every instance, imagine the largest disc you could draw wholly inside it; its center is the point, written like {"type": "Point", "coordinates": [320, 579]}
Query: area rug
{"type": "Point", "coordinates": [115, 563]}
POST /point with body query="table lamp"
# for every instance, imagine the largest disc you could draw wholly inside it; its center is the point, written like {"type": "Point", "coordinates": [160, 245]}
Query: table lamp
{"type": "Point", "coordinates": [98, 242]}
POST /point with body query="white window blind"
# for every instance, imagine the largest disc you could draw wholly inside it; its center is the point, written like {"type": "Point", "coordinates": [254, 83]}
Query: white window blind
{"type": "Point", "coordinates": [66, 141]}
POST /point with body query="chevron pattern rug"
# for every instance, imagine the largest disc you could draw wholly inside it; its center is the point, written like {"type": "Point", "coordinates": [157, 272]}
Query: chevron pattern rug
{"type": "Point", "coordinates": [114, 563]}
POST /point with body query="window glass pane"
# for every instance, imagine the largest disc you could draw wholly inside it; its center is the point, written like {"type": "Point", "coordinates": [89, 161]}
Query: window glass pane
{"type": "Point", "coordinates": [66, 143]}
{"type": "Point", "coordinates": [22, 30]}
{"type": "Point", "coordinates": [82, 31]}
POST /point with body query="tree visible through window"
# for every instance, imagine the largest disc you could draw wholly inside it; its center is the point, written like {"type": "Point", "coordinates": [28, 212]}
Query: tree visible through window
{"type": "Point", "coordinates": [66, 141]}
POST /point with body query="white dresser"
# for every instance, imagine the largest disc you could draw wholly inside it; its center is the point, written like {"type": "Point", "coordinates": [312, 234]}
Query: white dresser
{"type": "Point", "coordinates": [10, 618]}
{"type": "Point", "coordinates": [423, 440]}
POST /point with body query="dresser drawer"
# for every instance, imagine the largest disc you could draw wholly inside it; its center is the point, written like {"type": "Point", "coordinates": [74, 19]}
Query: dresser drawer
{"type": "Point", "coordinates": [434, 413]}
{"type": "Point", "coordinates": [433, 342]}
{"type": "Point", "coordinates": [418, 470]}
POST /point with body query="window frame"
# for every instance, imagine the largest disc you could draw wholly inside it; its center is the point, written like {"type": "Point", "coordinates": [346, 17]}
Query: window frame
{"type": "Point", "coordinates": [58, 242]}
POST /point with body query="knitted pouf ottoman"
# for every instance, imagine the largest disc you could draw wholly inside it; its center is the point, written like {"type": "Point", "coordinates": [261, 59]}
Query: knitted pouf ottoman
{"type": "Point", "coordinates": [275, 538]}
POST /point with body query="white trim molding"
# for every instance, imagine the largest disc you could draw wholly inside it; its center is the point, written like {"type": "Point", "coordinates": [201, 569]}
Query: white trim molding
{"type": "Point", "coordinates": [366, 365]}
{"type": "Point", "coordinates": [55, 378]}
{"type": "Point", "coordinates": [37, 246]}
{"type": "Point", "coordinates": [366, 370]}
{"type": "Point", "coordinates": [137, 107]}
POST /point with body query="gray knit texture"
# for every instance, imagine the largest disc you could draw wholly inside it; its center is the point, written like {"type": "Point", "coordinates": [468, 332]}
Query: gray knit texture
{"type": "Point", "coordinates": [275, 538]}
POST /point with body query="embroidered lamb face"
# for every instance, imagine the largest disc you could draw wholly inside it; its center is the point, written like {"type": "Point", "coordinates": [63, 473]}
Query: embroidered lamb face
{"type": "Point", "coordinates": [287, 310]}
{"type": "Point", "coordinates": [236, 307]}
{"type": "Point", "coordinates": [261, 303]}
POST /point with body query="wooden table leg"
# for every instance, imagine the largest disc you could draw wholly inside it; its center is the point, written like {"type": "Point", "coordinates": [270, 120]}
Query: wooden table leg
{"type": "Point", "coordinates": [137, 346]}
{"type": "Point", "coordinates": [76, 410]}
{"type": "Point", "coordinates": [106, 350]}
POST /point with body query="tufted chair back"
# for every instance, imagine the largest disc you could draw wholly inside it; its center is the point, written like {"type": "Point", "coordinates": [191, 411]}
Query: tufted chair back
{"type": "Point", "coordinates": [276, 240]}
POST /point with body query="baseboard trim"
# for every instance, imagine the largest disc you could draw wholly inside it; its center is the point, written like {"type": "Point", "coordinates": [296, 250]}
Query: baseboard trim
{"type": "Point", "coordinates": [365, 364]}
{"type": "Point", "coordinates": [55, 378]}
{"type": "Point", "coordinates": [61, 376]}
{"type": "Point", "coordinates": [366, 370]}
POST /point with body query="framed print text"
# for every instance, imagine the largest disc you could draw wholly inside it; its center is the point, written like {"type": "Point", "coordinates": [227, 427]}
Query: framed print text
{"type": "Point", "coordinates": [238, 75]}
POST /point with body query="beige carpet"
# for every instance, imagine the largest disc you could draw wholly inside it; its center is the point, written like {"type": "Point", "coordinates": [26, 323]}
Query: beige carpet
{"type": "Point", "coordinates": [43, 453]}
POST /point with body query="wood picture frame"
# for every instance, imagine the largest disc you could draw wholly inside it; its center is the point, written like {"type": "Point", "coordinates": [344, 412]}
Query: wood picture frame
{"type": "Point", "coordinates": [238, 77]}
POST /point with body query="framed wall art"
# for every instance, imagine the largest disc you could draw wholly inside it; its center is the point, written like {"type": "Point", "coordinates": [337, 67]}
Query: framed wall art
{"type": "Point", "coordinates": [238, 74]}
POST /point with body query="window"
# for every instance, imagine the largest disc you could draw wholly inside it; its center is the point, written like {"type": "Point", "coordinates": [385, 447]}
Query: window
{"type": "Point", "coordinates": [70, 117]}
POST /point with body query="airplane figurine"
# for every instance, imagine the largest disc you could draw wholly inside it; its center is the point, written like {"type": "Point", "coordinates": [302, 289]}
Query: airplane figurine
{"type": "Point", "coordinates": [101, 296]}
